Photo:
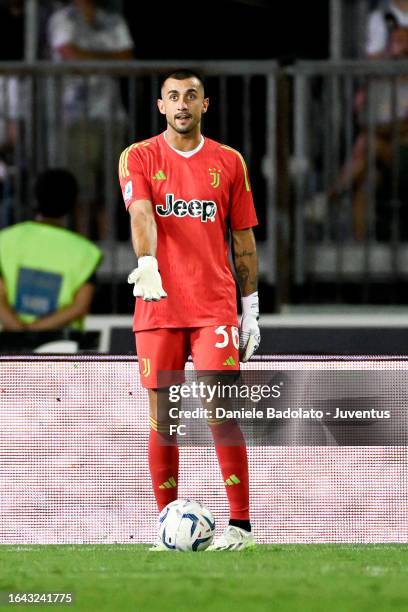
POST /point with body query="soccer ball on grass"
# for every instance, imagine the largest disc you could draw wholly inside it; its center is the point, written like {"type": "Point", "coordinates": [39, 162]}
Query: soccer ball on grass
{"type": "Point", "coordinates": [186, 525]}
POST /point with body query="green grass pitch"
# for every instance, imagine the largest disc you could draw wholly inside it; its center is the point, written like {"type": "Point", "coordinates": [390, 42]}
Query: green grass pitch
{"type": "Point", "coordinates": [278, 578]}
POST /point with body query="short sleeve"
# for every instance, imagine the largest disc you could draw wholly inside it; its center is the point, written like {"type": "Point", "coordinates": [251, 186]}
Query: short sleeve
{"type": "Point", "coordinates": [132, 177]}
{"type": "Point", "coordinates": [60, 30]}
{"type": "Point", "coordinates": [242, 210]}
{"type": "Point", "coordinates": [376, 33]}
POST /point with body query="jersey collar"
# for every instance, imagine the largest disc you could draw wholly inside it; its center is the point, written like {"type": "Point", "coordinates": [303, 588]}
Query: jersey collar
{"type": "Point", "coordinates": [185, 154]}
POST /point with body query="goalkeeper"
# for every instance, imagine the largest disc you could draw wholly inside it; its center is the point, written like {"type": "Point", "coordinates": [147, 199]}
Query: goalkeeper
{"type": "Point", "coordinates": [186, 196]}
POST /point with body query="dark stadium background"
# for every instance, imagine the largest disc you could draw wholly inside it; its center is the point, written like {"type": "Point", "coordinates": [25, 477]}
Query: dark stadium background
{"type": "Point", "coordinates": [229, 29]}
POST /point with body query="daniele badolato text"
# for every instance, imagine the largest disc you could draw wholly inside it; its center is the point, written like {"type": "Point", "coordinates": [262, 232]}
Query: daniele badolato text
{"type": "Point", "coordinates": [273, 413]}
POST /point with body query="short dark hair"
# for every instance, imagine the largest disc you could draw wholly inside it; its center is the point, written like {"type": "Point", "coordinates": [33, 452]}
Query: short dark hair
{"type": "Point", "coordinates": [180, 74]}
{"type": "Point", "coordinates": [56, 191]}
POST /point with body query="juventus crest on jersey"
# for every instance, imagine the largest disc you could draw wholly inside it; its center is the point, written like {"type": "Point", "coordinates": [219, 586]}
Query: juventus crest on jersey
{"type": "Point", "coordinates": [196, 201]}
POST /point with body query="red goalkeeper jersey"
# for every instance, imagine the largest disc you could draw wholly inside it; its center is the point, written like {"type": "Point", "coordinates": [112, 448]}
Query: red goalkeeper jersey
{"type": "Point", "coordinates": [196, 201]}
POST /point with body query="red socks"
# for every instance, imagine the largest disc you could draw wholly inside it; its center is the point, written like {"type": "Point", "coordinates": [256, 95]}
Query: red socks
{"type": "Point", "coordinates": [232, 457]}
{"type": "Point", "coordinates": [163, 464]}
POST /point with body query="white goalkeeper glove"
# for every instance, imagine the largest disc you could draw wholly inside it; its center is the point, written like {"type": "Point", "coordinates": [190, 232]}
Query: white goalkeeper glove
{"type": "Point", "coordinates": [147, 280]}
{"type": "Point", "coordinates": [250, 335]}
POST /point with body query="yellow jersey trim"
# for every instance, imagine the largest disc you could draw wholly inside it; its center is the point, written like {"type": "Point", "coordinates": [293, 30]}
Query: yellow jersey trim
{"type": "Point", "coordinates": [247, 185]}
{"type": "Point", "coordinates": [123, 161]}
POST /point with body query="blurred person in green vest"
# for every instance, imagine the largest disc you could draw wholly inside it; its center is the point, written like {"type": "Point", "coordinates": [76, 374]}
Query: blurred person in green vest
{"type": "Point", "coordinates": [46, 271]}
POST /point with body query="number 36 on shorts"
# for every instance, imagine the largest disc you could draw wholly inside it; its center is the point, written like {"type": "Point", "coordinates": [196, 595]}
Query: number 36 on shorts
{"type": "Point", "coordinates": [226, 334]}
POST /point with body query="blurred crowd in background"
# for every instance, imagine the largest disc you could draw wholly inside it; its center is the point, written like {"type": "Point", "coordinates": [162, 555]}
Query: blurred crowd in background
{"type": "Point", "coordinates": [79, 30]}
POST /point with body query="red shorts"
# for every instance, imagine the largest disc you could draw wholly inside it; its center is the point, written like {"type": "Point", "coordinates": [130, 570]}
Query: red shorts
{"type": "Point", "coordinates": [214, 348]}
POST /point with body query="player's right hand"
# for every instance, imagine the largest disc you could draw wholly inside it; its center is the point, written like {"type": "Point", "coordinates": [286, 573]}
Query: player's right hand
{"type": "Point", "coordinates": [147, 280]}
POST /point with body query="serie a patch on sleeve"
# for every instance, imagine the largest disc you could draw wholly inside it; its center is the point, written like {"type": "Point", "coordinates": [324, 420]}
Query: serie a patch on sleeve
{"type": "Point", "coordinates": [128, 193]}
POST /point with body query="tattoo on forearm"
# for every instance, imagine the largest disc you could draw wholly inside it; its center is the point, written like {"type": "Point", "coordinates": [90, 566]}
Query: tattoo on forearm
{"type": "Point", "coordinates": [246, 281]}
{"type": "Point", "coordinates": [244, 254]}
{"type": "Point", "coordinates": [247, 270]}
{"type": "Point", "coordinates": [243, 274]}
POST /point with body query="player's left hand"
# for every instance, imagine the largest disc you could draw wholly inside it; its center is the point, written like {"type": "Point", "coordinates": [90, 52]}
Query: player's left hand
{"type": "Point", "coordinates": [250, 334]}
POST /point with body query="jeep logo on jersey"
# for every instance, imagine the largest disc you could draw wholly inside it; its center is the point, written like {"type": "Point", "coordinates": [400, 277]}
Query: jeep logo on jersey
{"type": "Point", "coordinates": [205, 209]}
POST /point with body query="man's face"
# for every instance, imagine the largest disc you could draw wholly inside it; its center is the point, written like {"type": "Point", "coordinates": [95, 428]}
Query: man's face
{"type": "Point", "coordinates": [183, 103]}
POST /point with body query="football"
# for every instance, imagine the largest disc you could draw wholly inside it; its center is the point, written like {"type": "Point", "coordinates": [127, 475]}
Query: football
{"type": "Point", "coordinates": [186, 525]}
